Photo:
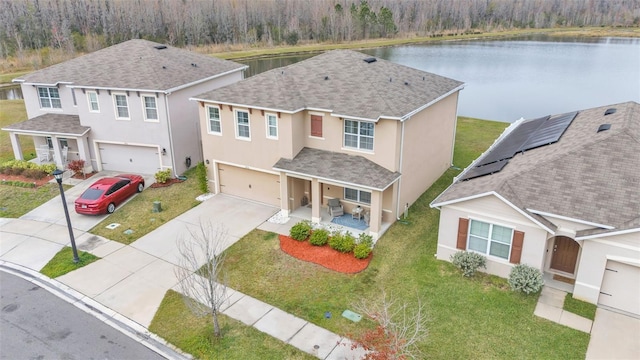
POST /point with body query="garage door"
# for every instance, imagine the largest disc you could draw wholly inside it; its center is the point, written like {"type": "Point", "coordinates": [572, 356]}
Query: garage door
{"type": "Point", "coordinates": [129, 158]}
{"type": "Point", "coordinates": [250, 184]}
{"type": "Point", "coordinates": [621, 287]}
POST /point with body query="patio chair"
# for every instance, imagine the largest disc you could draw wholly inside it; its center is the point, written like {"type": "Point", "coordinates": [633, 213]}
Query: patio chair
{"type": "Point", "coordinates": [335, 208]}
{"type": "Point", "coordinates": [43, 154]}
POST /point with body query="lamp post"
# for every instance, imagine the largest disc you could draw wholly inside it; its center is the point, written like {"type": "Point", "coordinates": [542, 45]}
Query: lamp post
{"type": "Point", "coordinates": [58, 175]}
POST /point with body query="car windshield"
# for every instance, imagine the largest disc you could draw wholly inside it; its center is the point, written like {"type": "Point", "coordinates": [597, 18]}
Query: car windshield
{"type": "Point", "coordinates": [92, 194]}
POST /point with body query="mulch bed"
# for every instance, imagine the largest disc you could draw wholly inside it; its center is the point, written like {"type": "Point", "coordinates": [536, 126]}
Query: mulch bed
{"type": "Point", "coordinates": [168, 183]}
{"type": "Point", "coordinates": [324, 256]}
{"type": "Point", "coordinates": [38, 182]}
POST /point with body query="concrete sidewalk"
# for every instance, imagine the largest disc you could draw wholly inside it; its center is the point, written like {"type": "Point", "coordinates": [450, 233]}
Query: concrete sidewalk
{"type": "Point", "coordinates": [550, 306]}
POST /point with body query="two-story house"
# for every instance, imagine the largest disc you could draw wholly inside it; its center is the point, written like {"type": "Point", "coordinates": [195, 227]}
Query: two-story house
{"type": "Point", "coordinates": [123, 108]}
{"type": "Point", "coordinates": [339, 125]}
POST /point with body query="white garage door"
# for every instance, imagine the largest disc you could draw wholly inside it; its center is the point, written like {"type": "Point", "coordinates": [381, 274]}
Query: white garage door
{"type": "Point", "coordinates": [621, 287]}
{"type": "Point", "coordinates": [129, 158]}
{"type": "Point", "coordinates": [250, 184]}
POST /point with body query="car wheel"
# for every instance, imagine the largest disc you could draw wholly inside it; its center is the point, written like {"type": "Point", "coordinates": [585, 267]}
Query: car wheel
{"type": "Point", "coordinates": [111, 208]}
{"type": "Point", "coordinates": [140, 187]}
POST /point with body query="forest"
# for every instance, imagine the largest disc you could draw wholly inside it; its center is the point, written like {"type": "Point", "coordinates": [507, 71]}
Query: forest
{"type": "Point", "coordinates": [77, 26]}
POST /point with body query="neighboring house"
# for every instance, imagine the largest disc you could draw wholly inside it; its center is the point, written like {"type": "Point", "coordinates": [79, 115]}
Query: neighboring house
{"type": "Point", "coordinates": [561, 194]}
{"type": "Point", "coordinates": [339, 125]}
{"type": "Point", "coordinates": [123, 108]}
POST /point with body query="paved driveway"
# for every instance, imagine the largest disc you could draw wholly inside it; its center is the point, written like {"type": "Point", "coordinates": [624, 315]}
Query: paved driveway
{"type": "Point", "coordinates": [614, 336]}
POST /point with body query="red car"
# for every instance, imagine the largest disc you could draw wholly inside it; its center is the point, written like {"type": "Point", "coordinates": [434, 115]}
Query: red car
{"type": "Point", "coordinates": [104, 195]}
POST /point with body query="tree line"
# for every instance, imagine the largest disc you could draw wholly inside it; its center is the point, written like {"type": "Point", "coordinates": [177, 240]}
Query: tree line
{"type": "Point", "coordinates": [88, 25]}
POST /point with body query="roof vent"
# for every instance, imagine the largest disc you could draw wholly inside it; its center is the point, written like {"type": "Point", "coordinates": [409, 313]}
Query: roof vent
{"type": "Point", "coordinates": [160, 47]}
{"type": "Point", "coordinates": [194, 64]}
{"type": "Point", "coordinates": [406, 83]}
{"type": "Point", "coordinates": [369, 60]}
{"type": "Point", "coordinates": [610, 111]}
{"type": "Point", "coordinates": [164, 67]}
{"type": "Point", "coordinates": [326, 78]}
{"type": "Point", "coordinates": [604, 127]}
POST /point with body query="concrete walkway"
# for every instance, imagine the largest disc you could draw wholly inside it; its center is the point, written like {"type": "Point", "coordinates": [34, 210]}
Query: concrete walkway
{"type": "Point", "coordinates": [129, 282]}
{"type": "Point", "coordinates": [550, 307]}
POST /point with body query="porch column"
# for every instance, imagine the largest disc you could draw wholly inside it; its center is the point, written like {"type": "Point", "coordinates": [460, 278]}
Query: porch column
{"type": "Point", "coordinates": [315, 201]}
{"type": "Point", "coordinates": [376, 214]}
{"type": "Point", "coordinates": [57, 153]}
{"type": "Point", "coordinates": [284, 194]}
{"type": "Point", "coordinates": [83, 153]}
{"type": "Point", "coordinates": [15, 144]}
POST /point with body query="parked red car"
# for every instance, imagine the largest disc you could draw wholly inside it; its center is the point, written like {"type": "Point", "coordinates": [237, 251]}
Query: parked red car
{"type": "Point", "coordinates": [104, 195]}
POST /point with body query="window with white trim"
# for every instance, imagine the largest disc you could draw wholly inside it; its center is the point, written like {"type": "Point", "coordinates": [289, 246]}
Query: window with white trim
{"type": "Point", "coordinates": [272, 126]}
{"type": "Point", "coordinates": [358, 134]}
{"type": "Point", "coordinates": [150, 108]}
{"type": "Point", "coordinates": [92, 97]}
{"type": "Point", "coordinates": [49, 98]}
{"type": "Point", "coordinates": [242, 125]}
{"type": "Point", "coordinates": [213, 114]}
{"type": "Point", "coordinates": [357, 195]}
{"type": "Point", "coordinates": [489, 239]}
{"type": "Point", "coordinates": [122, 106]}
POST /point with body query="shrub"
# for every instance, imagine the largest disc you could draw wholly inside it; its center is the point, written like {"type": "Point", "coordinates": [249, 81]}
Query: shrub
{"type": "Point", "coordinates": [18, 184]}
{"type": "Point", "coordinates": [163, 176]}
{"type": "Point", "coordinates": [468, 262]}
{"type": "Point", "coordinates": [342, 242]}
{"type": "Point", "coordinates": [34, 173]}
{"type": "Point", "coordinates": [363, 247]}
{"type": "Point", "coordinates": [48, 168]}
{"type": "Point", "coordinates": [77, 166]}
{"type": "Point", "coordinates": [319, 237]}
{"type": "Point", "coordinates": [300, 231]}
{"type": "Point", "coordinates": [201, 175]}
{"type": "Point", "coordinates": [526, 279]}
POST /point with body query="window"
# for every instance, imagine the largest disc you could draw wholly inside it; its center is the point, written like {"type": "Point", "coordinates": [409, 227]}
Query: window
{"type": "Point", "coordinates": [214, 120]}
{"type": "Point", "coordinates": [92, 97]}
{"type": "Point", "coordinates": [150, 108]}
{"type": "Point", "coordinates": [122, 107]}
{"type": "Point", "coordinates": [242, 122]}
{"type": "Point", "coordinates": [49, 98]}
{"type": "Point", "coordinates": [358, 134]}
{"type": "Point", "coordinates": [316, 125]}
{"type": "Point", "coordinates": [73, 96]}
{"type": "Point", "coordinates": [272, 126]}
{"type": "Point", "coordinates": [490, 239]}
{"type": "Point", "coordinates": [357, 195]}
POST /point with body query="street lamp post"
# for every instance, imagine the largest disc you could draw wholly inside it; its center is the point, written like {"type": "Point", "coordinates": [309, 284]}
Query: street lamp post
{"type": "Point", "coordinates": [58, 175]}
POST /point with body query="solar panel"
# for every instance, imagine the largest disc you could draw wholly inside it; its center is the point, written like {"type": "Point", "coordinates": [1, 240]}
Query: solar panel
{"type": "Point", "coordinates": [485, 170]}
{"type": "Point", "coordinates": [549, 131]}
{"type": "Point", "coordinates": [511, 144]}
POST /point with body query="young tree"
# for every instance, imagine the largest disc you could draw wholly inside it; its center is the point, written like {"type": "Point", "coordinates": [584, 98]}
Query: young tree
{"type": "Point", "coordinates": [199, 271]}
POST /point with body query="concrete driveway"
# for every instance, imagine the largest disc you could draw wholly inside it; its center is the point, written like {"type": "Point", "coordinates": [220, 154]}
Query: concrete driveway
{"type": "Point", "coordinates": [614, 336]}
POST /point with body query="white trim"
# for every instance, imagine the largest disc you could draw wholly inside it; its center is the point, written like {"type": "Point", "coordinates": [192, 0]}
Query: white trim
{"type": "Point", "coordinates": [246, 106]}
{"type": "Point", "coordinates": [170, 90]}
{"type": "Point", "coordinates": [359, 136]}
{"type": "Point", "coordinates": [316, 113]}
{"type": "Point", "coordinates": [267, 126]}
{"type": "Point", "coordinates": [115, 105]}
{"type": "Point", "coordinates": [408, 116]}
{"type": "Point", "coordinates": [618, 245]}
{"type": "Point", "coordinates": [44, 133]}
{"type": "Point", "coordinates": [144, 108]}
{"type": "Point", "coordinates": [606, 234]}
{"type": "Point", "coordinates": [334, 181]}
{"type": "Point", "coordinates": [542, 213]}
{"type": "Point", "coordinates": [89, 101]}
{"type": "Point", "coordinates": [580, 283]}
{"type": "Point", "coordinates": [208, 120]}
{"type": "Point", "coordinates": [247, 167]}
{"type": "Point", "coordinates": [59, 98]}
{"type": "Point", "coordinates": [235, 118]}
{"type": "Point", "coordinates": [624, 260]}
{"type": "Point", "coordinates": [489, 239]}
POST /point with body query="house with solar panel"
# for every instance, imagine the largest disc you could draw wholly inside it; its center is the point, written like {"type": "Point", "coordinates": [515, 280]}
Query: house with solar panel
{"type": "Point", "coordinates": [366, 134]}
{"type": "Point", "coordinates": [123, 108]}
{"type": "Point", "coordinates": [562, 194]}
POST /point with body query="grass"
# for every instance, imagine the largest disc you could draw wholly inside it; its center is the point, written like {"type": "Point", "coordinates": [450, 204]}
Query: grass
{"type": "Point", "coordinates": [579, 307]}
{"type": "Point", "coordinates": [7, 77]}
{"type": "Point", "coordinates": [137, 216]}
{"type": "Point", "coordinates": [11, 112]}
{"type": "Point", "coordinates": [177, 324]}
{"type": "Point", "coordinates": [62, 262]}
{"type": "Point", "coordinates": [17, 201]}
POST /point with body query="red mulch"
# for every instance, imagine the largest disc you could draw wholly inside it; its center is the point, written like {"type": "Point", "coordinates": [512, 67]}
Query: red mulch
{"type": "Point", "coordinates": [38, 182]}
{"type": "Point", "coordinates": [168, 183]}
{"type": "Point", "coordinates": [323, 256]}
{"type": "Point", "coordinates": [83, 177]}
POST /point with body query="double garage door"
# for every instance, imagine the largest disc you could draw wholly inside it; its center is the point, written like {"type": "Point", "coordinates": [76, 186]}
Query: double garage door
{"type": "Point", "coordinates": [621, 287]}
{"type": "Point", "coordinates": [129, 158]}
{"type": "Point", "coordinates": [249, 184]}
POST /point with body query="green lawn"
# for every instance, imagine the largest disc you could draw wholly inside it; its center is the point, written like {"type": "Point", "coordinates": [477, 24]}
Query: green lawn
{"type": "Point", "coordinates": [579, 307]}
{"type": "Point", "coordinates": [17, 201]}
{"type": "Point", "coordinates": [11, 112]}
{"type": "Point", "coordinates": [62, 262]}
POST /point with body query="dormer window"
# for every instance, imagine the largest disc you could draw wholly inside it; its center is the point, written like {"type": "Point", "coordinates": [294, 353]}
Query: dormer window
{"type": "Point", "coordinates": [49, 98]}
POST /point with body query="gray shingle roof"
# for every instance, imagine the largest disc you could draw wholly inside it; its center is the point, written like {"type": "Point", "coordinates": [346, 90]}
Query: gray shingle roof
{"type": "Point", "coordinates": [339, 167]}
{"type": "Point", "coordinates": [59, 124]}
{"type": "Point", "coordinates": [586, 175]}
{"type": "Point", "coordinates": [339, 81]}
{"type": "Point", "coordinates": [135, 65]}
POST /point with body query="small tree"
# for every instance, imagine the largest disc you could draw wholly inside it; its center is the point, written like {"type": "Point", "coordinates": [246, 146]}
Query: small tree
{"type": "Point", "coordinates": [199, 270]}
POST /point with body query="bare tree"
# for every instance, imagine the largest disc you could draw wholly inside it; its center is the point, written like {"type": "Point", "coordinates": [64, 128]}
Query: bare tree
{"type": "Point", "coordinates": [200, 270]}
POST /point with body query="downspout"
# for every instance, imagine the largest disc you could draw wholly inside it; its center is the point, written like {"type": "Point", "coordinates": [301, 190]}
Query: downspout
{"type": "Point", "coordinates": [172, 153]}
{"type": "Point", "coordinates": [400, 167]}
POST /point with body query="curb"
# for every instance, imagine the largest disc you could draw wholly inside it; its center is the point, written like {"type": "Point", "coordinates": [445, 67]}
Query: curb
{"type": "Point", "coordinates": [117, 321]}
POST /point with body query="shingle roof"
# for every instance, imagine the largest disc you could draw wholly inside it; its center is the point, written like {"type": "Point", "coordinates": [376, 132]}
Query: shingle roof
{"type": "Point", "coordinates": [339, 81]}
{"type": "Point", "coordinates": [586, 175]}
{"type": "Point", "coordinates": [59, 124]}
{"type": "Point", "coordinates": [135, 65]}
{"type": "Point", "coordinates": [339, 167]}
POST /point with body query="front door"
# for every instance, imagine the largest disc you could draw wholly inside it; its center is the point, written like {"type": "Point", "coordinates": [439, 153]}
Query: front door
{"type": "Point", "coordinates": [565, 254]}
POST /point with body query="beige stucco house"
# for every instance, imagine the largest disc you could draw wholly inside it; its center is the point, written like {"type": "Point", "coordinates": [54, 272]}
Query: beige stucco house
{"type": "Point", "coordinates": [342, 125]}
{"type": "Point", "coordinates": [560, 193]}
{"type": "Point", "coordinates": [123, 108]}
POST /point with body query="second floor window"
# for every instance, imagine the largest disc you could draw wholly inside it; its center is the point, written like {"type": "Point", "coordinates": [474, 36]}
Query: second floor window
{"type": "Point", "coordinates": [214, 120]}
{"type": "Point", "coordinates": [92, 96]}
{"type": "Point", "coordinates": [122, 107]}
{"type": "Point", "coordinates": [242, 122]}
{"type": "Point", "coordinates": [150, 108]}
{"type": "Point", "coordinates": [49, 98]}
{"type": "Point", "coordinates": [272, 126]}
{"type": "Point", "coordinates": [358, 134]}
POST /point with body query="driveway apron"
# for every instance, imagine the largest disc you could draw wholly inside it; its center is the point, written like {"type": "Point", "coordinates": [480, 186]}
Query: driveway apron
{"type": "Point", "coordinates": [614, 336]}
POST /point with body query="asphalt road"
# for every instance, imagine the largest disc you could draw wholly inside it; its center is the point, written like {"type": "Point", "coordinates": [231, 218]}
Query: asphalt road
{"type": "Point", "coordinates": [35, 324]}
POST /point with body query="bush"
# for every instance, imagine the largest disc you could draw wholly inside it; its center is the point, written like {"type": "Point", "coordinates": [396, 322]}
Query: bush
{"type": "Point", "coordinates": [342, 242]}
{"type": "Point", "coordinates": [468, 262]}
{"type": "Point", "coordinates": [163, 176]}
{"type": "Point", "coordinates": [201, 175]}
{"type": "Point", "coordinates": [300, 231]}
{"type": "Point", "coordinates": [48, 168]}
{"type": "Point", "coordinates": [34, 173]}
{"type": "Point", "coordinates": [526, 279]}
{"type": "Point", "coordinates": [363, 247]}
{"type": "Point", "coordinates": [77, 166]}
{"type": "Point", "coordinates": [319, 237]}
